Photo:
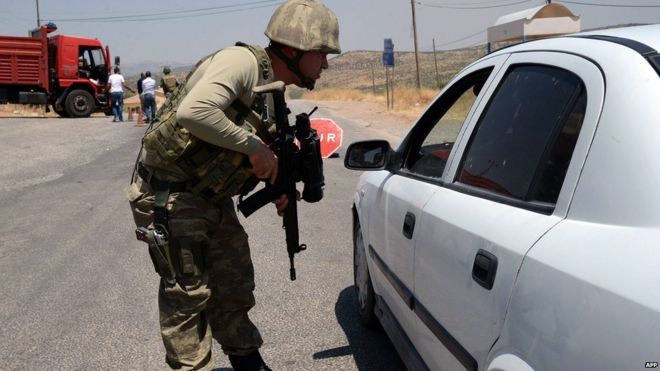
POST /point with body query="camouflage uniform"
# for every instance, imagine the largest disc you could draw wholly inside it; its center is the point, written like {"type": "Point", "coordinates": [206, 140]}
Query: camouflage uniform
{"type": "Point", "coordinates": [213, 302]}
{"type": "Point", "coordinates": [207, 277]}
{"type": "Point", "coordinates": [211, 299]}
{"type": "Point", "coordinates": [168, 83]}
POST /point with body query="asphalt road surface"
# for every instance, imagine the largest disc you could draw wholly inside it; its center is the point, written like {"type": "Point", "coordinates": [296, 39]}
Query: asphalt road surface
{"type": "Point", "coordinates": [78, 292]}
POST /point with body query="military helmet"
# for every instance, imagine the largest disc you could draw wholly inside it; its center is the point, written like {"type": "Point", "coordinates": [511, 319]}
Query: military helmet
{"type": "Point", "coordinates": [166, 70]}
{"type": "Point", "coordinates": [305, 25]}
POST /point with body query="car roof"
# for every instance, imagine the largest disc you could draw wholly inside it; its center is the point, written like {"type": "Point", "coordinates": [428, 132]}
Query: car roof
{"type": "Point", "coordinates": [648, 35]}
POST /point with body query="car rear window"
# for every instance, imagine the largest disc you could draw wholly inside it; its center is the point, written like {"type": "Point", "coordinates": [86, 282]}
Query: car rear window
{"type": "Point", "coordinates": [524, 140]}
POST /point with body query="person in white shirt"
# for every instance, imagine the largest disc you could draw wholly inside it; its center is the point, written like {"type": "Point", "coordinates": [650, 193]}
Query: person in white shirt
{"type": "Point", "coordinates": [149, 97]}
{"type": "Point", "coordinates": [116, 86]}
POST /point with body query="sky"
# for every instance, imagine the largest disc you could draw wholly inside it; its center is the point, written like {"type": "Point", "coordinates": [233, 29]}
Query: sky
{"type": "Point", "coordinates": [175, 32]}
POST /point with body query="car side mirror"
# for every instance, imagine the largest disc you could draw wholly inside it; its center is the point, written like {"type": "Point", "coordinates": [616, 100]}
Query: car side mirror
{"type": "Point", "coordinates": [368, 155]}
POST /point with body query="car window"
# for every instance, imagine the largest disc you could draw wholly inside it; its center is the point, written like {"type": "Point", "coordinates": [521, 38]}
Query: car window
{"type": "Point", "coordinates": [434, 142]}
{"type": "Point", "coordinates": [524, 140]}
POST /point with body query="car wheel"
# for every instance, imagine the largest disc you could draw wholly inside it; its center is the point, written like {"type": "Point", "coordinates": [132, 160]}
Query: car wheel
{"type": "Point", "coordinates": [79, 103]}
{"type": "Point", "coordinates": [363, 288]}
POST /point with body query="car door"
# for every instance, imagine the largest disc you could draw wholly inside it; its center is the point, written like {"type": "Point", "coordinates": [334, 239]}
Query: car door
{"type": "Point", "coordinates": [402, 195]}
{"type": "Point", "coordinates": [511, 181]}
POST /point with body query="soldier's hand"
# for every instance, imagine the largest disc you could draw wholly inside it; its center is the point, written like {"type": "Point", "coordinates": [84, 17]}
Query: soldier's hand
{"type": "Point", "coordinates": [264, 163]}
{"type": "Point", "coordinates": [282, 202]}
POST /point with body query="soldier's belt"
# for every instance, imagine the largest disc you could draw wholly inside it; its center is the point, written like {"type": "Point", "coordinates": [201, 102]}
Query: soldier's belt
{"type": "Point", "coordinates": [160, 185]}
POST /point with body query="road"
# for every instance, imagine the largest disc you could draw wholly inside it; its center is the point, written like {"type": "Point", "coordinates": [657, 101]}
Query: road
{"type": "Point", "coordinates": [79, 292]}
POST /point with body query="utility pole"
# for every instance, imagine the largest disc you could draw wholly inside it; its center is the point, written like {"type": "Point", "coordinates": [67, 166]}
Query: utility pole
{"type": "Point", "coordinates": [435, 60]}
{"type": "Point", "coordinates": [38, 18]}
{"type": "Point", "coordinates": [412, 3]}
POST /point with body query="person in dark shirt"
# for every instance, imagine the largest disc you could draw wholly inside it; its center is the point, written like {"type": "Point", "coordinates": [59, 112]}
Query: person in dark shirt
{"type": "Point", "coordinates": [139, 86]}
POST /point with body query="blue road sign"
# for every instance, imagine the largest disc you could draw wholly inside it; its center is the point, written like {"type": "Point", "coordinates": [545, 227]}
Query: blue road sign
{"type": "Point", "coordinates": [388, 59]}
{"type": "Point", "coordinates": [388, 45]}
{"type": "Point", "coordinates": [388, 53]}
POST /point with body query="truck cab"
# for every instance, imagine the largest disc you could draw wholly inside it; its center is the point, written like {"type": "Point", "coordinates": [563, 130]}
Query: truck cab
{"type": "Point", "coordinates": [80, 72]}
{"type": "Point", "coordinates": [68, 72]}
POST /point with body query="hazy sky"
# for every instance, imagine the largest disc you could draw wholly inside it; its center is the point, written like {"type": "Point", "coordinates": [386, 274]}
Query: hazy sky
{"type": "Point", "coordinates": [183, 31]}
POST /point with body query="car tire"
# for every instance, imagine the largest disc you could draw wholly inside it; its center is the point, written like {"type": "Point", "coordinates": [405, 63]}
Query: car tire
{"type": "Point", "coordinates": [364, 290]}
{"type": "Point", "coordinates": [79, 103]}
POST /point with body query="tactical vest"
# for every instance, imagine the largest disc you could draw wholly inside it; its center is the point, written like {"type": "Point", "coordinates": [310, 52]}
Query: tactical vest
{"type": "Point", "coordinates": [169, 83]}
{"type": "Point", "coordinates": [214, 172]}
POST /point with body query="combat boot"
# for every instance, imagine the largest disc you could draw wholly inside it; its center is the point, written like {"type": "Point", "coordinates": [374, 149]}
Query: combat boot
{"type": "Point", "coordinates": [250, 362]}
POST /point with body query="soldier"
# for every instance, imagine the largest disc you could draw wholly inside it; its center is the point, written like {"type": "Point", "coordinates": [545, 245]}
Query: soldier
{"type": "Point", "coordinates": [203, 149]}
{"type": "Point", "coordinates": [168, 82]}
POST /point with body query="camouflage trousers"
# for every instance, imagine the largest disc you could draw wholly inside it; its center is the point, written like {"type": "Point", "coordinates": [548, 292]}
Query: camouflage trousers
{"type": "Point", "coordinates": [213, 301]}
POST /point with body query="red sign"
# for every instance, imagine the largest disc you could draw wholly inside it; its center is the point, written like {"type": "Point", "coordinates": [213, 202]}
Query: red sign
{"type": "Point", "coordinates": [329, 133]}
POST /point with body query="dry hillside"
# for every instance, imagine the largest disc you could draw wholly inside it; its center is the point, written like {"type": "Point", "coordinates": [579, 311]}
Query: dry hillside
{"type": "Point", "coordinates": [363, 70]}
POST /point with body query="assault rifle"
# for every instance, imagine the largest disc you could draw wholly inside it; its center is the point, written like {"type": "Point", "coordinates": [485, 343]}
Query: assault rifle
{"type": "Point", "coordinates": [295, 164]}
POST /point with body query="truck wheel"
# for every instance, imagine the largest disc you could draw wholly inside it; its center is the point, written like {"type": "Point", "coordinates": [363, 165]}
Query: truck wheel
{"type": "Point", "coordinates": [364, 290]}
{"type": "Point", "coordinates": [61, 112]}
{"type": "Point", "coordinates": [79, 103]}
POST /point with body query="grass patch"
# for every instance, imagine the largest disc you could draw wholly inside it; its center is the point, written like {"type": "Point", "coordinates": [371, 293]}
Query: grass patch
{"type": "Point", "coordinates": [406, 99]}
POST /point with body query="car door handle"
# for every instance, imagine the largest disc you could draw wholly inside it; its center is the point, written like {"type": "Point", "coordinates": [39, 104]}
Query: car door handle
{"type": "Point", "coordinates": [484, 269]}
{"type": "Point", "coordinates": [409, 225]}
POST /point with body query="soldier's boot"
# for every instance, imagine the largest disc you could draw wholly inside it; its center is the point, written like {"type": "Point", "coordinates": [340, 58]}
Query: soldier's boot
{"type": "Point", "coordinates": [250, 362]}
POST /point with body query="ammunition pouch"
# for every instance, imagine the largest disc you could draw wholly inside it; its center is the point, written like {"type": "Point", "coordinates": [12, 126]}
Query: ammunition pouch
{"type": "Point", "coordinates": [188, 257]}
{"type": "Point", "coordinates": [165, 143]}
{"type": "Point", "coordinates": [219, 173]}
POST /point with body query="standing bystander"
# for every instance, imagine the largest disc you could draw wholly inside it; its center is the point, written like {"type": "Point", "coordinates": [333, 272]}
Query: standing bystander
{"type": "Point", "coordinates": [139, 87]}
{"type": "Point", "coordinates": [116, 84]}
{"type": "Point", "coordinates": [149, 97]}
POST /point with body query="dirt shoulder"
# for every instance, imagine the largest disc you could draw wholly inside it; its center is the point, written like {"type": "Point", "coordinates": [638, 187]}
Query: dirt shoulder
{"type": "Point", "coordinates": [22, 110]}
{"type": "Point", "coordinates": [372, 115]}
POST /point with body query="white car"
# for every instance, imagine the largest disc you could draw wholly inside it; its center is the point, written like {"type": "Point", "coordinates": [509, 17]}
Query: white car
{"type": "Point", "coordinates": [517, 225]}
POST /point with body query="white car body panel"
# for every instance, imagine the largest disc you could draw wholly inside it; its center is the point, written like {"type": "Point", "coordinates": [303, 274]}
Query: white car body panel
{"type": "Point", "coordinates": [576, 287]}
{"type": "Point", "coordinates": [508, 362]}
{"type": "Point", "coordinates": [457, 225]}
{"type": "Point", "coordinates": [396, 250]}
{"type": "Point", "coordinates": [587, 299]}
{"type": "Point", "coordinates": [602, 310]}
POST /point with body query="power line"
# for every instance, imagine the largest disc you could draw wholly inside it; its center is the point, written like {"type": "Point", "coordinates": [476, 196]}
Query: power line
{"type": "Point", "coordinates": [612, 5]}
{"type": "Point", "coordinates": [480, 42]}
{"type": "Point", "coordinates": [461, 39]}
{"type": "Point", "coordinates": [173, 17]}
{"type": "Point", "coordinates": [155, 16]}
{"type": "Point", "coordinates": [473, 7]}
{"type": "Point", "coordinates": [462, 3]}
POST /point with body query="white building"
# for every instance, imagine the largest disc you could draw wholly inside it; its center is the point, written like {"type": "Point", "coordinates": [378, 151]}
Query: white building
{"type": "Point", "coordinates": [541, 21]}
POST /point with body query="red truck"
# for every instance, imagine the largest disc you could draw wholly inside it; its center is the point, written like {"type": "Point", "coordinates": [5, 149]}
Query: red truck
{"type": "Point", "coordinates": [68, 72]}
